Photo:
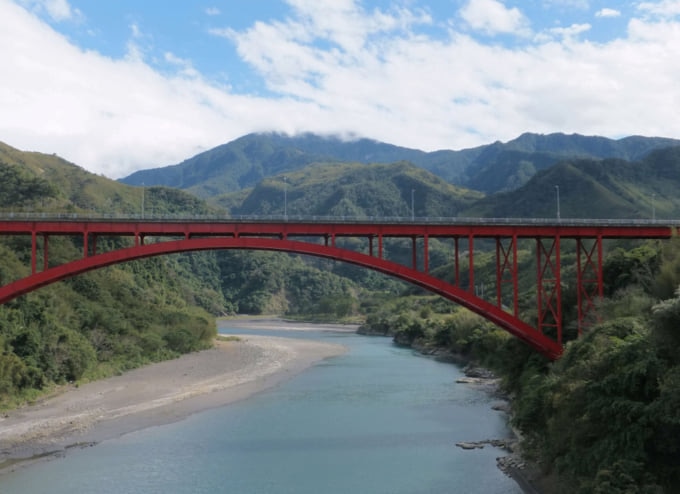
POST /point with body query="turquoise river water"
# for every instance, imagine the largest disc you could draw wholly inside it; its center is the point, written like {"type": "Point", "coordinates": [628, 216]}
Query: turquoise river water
{"type": "Point", "coordinates": [376, 420]}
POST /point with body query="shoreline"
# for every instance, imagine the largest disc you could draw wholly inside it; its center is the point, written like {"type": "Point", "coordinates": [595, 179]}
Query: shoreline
{"type": "Point", "coordinates": [156, 394]}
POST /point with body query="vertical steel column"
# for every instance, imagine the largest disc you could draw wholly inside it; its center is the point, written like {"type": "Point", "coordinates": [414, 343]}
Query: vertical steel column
{"type": "Point", "coordinates": [589, 285]}
{"type": "Point", "coordinates": [558, 282]}
{"type": "Point", "coordinates": [426, 255]}
{"type": "Point", "coordinates": [45, 252]}
{"type": "Point", "coordinates": [539, 286]}
{"type": "Point", "coordinates": [549, 289]}
{"type": "Point", "coordinates": [499, 273]}
{"type": "Point", "coordinates": [471, 262]}
{"type": "Point", "coordinates": [456, 265]}
{"type": "Point", "coordinates": [600, 279]}
{"type": "Point", "coordinates": [34, 251]}
{"type": "Point", "coordinates": [506, 264]}
{"type": "Point", "coordinates": [370, 245]}
{"type": "Point", "coordinates": [515, 277]}
{"type": "Point", "coordinates": [414, 259]}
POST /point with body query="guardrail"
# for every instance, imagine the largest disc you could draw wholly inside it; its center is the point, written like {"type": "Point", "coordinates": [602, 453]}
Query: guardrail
{"type": "Point", "coordinates": [438, 220]}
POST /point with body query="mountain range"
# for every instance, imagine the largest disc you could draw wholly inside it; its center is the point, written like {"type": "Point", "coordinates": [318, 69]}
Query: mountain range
{"type": "Point", "coordinates": [596, 176]}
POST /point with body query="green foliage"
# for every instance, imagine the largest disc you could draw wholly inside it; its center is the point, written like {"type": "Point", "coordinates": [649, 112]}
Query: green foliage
{"type": "Point", "coordinates": [467, 334]}
{"type": "Point", "coordinates": [19, 189]}
{"type": "Point", "coordinates": [355, 190]}
{"type": "Point", "coordinates": [105, 321]}
{"type": "Point", "coordinates": [264, 282]}
{"type": "Point", "coordinates": [638, 266]}
{"type": "Point", "coordinates": [606, 414]}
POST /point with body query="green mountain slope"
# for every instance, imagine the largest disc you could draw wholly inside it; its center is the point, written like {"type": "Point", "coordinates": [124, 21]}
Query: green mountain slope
{"type": "Point", "coordinates": [37, 182]}
{"type": "Point", "coordinates": [105, 321]}
{"type": "Point", "coordinates": [353, 189]}
{"type": "Point", "coordinates": [503, 167]}
{"type": "Point", "coordinates": [244, 162]}
{"type": "Point", "coordinates": [588, 188]}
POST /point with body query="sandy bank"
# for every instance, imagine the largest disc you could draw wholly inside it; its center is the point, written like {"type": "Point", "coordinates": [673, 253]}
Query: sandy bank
{"type": "Point", "coordinates": [278, 324]}
{"type": "Point", "coordinates": [156, 394]}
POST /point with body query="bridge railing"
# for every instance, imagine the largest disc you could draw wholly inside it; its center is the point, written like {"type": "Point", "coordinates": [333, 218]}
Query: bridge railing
{"type": "Point", "coordinates": [224, 218]}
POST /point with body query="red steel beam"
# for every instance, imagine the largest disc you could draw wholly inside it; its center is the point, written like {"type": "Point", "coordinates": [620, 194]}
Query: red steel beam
{"type": "Point", "coordinates": [226, 228]}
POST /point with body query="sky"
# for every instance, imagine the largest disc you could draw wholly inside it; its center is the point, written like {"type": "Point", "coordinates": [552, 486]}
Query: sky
{"type": "Point", "coordinates": [122, 85]}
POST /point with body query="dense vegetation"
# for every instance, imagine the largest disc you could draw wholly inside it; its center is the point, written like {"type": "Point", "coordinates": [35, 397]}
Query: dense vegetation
{"type": "Point", "coordinates": [605, 416]}
{"type": "Point", "coordinates": [355, 190]}
{"type": "Point", "coordinates": [100, 323]}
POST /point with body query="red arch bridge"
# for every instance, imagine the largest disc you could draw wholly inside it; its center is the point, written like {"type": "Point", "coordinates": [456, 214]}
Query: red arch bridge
{"type": "Point", "coordinates": [328, 238]}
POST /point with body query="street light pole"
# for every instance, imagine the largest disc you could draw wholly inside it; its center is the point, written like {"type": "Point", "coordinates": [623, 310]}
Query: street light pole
{"type": "Point", "coordinates": [413, 209]}
{"type": "Point", "coordinates": [653, 207]}
{"type": "Point", "coordinates": [285, 198]}
{"type": "Point", "coordinates": [557, 190]}
{"type": "Point", "coordinates": [142, 200]}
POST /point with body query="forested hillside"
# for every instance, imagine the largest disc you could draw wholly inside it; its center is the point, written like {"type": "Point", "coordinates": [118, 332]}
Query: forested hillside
{"type": "Point", "coordinates": [103, 322]}
{"type": "Point", "coordinates": [352, 189]}
{"type": "Point", "coordinates": [610, 188]}
{"type": "Point", "coordinates": [123, 316]}
{"type": "Point", "coordinates": [491, 168]}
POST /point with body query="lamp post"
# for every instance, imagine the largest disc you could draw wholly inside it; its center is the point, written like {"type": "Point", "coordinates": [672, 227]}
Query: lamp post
{"type": "Point", "coordinates": [413, 203]}
{"type": "Point", "coordinates": [142, 200]}
{"type": "Point", "coordinates": [557, 191]}
{"type": "Point", "coordinates": [285, 198]}
{"type": "Point", "coordinates": [653, 207]}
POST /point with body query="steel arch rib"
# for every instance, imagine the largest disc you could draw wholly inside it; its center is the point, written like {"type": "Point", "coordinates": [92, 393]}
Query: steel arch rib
{"type": "Point", "coordinates": [513, 325]}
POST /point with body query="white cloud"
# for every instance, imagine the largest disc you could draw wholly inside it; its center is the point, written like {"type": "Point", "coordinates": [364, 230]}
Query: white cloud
{"type": "Point", "coordinates": [333, 68]}
{"type": "Point", "coordinates": [185, 67]}
{"type": "Point", "coordinates": [608, 13]}
{"type": "Point", "coordinates": [492, 17]}
{"type": "Point", "coordinates": [570, 31]}
{"type": "Point", "coordinates": [212, 11]}
{"type": "Point", "coordinates": [664, 8]}
{"type": "Point", "coordinates": [57, 10]}
{"type": "Point", "coordinates": [574, 4]}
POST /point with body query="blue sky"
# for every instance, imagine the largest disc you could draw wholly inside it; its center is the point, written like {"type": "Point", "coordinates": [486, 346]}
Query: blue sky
{"type": "Point", "coordinates": [117, 86]}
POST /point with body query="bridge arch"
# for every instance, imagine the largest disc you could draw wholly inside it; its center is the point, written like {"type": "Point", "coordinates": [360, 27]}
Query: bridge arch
{"type": "Point", "coordinates": [317, 237]}
{"type": "Point", "coordinates": [520, 329]}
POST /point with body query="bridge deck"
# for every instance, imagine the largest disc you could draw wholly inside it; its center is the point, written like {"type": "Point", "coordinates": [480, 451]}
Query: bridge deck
{"type": "Point", "coordinates": [77, 224]}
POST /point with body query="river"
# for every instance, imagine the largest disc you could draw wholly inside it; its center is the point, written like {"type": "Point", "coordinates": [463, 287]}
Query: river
{"type": "Point", "coordinates": [378, 419]}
